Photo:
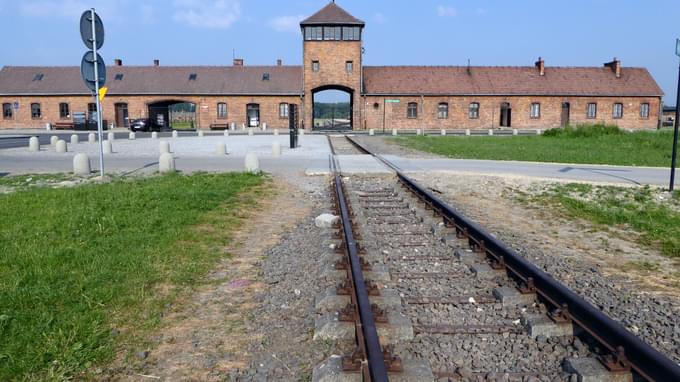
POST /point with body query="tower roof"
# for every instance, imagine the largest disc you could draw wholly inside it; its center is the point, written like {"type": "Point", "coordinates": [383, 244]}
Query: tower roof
{"type": "Point", "coordinates": [332, 14]}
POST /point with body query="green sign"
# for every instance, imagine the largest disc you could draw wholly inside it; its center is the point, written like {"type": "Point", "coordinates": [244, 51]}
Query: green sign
{"type": "Point", "coordinates": [392, 101]}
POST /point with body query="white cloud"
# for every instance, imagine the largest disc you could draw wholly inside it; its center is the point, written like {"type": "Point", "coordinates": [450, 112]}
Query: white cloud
{"type": "Point", "coordinates": [286, 23]}
{"type": "Point", "coordinates": [214, 14]}
{"type": "Point", "coordinates": [379, 18]}
{"type": "Point", "coordinates": [446, 11]}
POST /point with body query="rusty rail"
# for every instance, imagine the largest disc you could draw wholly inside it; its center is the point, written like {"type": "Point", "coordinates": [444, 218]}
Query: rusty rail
{"type": "Point", "coordinates": [624, 347]}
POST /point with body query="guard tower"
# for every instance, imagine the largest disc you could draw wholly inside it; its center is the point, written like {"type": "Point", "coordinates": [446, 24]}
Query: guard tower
{"type": "Point", "coordinates": [331, 49]}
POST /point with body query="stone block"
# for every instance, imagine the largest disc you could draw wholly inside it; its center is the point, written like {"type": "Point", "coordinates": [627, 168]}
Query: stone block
{"type": "Point", "coordinates": [252, 164]}
{"type": "Point", "coordinates": [490, 132]}
{"type": "Point", "coordinates": [484, 271]}
{"type": "Point", "coordinates": [201, 133]}
{"type": "Point", "coordinates": [467, 132]}
{"type": "Point", "coordinates": [154, 135]}
{"type": "Point", "coordinates": [514, 132]}
{"type": "Point", "coordinates": [163, 147]}
{"type": "Point", "coordinates": [221, 149]}
{"type": "Point", "coordinates": [91, 138]}
{"type": "Point", "coordinates": [541, 325]}
{"type": "Point", "coordinates": [443, 132]}
{"type": "Point", "coordinates": [53, 140]}
{"type": "Point", "coordinates": [175, 134]}
{"type": "Point", "coordinates": [74, 139]}
{"type": "Point", "coordinates": [276, 132]}
{"type": "Point", "coordinates": [33, 144]}
{"type": "Point", "coordinates": [330, 370]}
{"type": "Point", "coordinates": [276, 149]}
{"type": "Point", "coordinates": [166, 163]}
{"type": "Point", "coordinates": [591, 370]}
{"type": "Point", "coordinates": [132, 136]}
{"type": "Point", "coordinates": [111, 136]}
{"type": "Point", "coordinates": [371, 132]}
{"type": "Point", "coordinates": [328, 327]}
{"type": "Point", "coordinates": [397, 329]}
{"type": "Point", "coordinates": [81, 164]}
{"type": "Point", "coordinates": [415, 370]}
{"type": "Point", "coordinates": [395, 132]}
{"type": "Point", "coordinates": [251, 132]}
{"type": "Point", "coordinates": [61, 146]}
{"type": "Point", "coordinates": [226, 132]}
{"type": "Point", "coordinates": [509, 296]}
{"type": "Point", "coordinates": [326, 220]}
{"type": "Point", "coordinates": [468, 257]}
{"type": "Point", "coordinates": [107, 147]}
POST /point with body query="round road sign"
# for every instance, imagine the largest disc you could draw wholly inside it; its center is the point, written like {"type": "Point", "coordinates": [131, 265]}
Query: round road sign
{"type": "Point", "coordinates": [86, 29]}
{"type": "Point", "coordinates": [87, 70]}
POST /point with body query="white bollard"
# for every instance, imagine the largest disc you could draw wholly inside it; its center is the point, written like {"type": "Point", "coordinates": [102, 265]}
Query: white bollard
{"type": "Point", "coordinates": [200, 133]}
{"type": "Point", "coordinates": [276, 132]}
{"type": "Point", "coordinates": [243, 126]}
{"type": "Point", "coordinates": [111, 137]}
{"type": "Point", "coordinates": [301, 132]}
{"type": "Point", "coordinates": [490, 132]}
{"type": "Point", "coordinates": [154, 135]}
{"type": "Point", "coordinates": [132, 136]}
{"type": "Point", "coordinates": [252, 164]}
{"type": "Point", "coordinates": [395, 132]}
{"type": "Point", "coordinates": [221, 149]}
{"type": "Point", "coordinates": [226, 133]}
{"type": "Point", "coordinates": [539, 132]}
{"type": "Point", "coordinates": [53, 140]}
{"type": "Point", "coordinates": [467, 132]}
{"type": "Point", "coordinates": [74, 139]}
{"type": "Point", "coordinates": [251, 132]}
{"type": "Point", "coordinates": [108, 147]}
{"type": "Point", "coordinates": [33, 144]}
{"type": "Point", "coordinates": [264, 126]}
{"type": "Point", "coordinates": [371, 132]}
{"type": "Point", "coordinates": [514, 132]}
{"type": "Point", "coordinates": [175, 134]}
{"type": "Point", "coordinates": [61, 146]}
{"type": "Point", "coordinates": [443, 132]}
{"type": "Point", "coordinates": [163, 147]}
{"type": "Point", "coordinates": [232, 126]}
{"type": "Point", "coordinates": [276, 149]}
{"type": "Point", "coordinates": [81, 164]}
{"type": "Point", "coordinates": [419, 132]}
{"type": "Point", "coordinates": [166, 163]}
{"type": "Point", "coordinates": [91, 138]}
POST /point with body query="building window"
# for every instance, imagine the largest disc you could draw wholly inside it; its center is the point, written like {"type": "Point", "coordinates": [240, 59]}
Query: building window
{"type": "Point", "coordinates": [644, 110]}
{"type": "Point", "coordinates": [313, 33]}
{"type": "Point", "coordinates": [591, 110]}
{"type": "Point", "coordinates": [412, 110]}
{"type": "Point", "coordinates": [351, 33]}
{"type": "Point", "coordinates": [64, 112]}
{"type": "Point", "coordinates": [535, 110]}
{"type": "Point", "coordinates": [7, 112]}
{"type": "Point", "coordinates": [36, 113]}
{"type": "Point", "coordinates": [349, 66]}
{"type": "Point", "coordinates": [332, 33]}
{"type": "Point", "coordinates": [443, 110]}
{"type": "Point", "coordinates": [91, 111]}
{"type": "Point", "coordinates": [283, 110]}
{"type": "Point", "coordinates": [618, 111]}
{"type": "Point", "coordinates": [473, 112]}
{"type": "Point", "coordinates": [221, 110]}
{"type": "Point", "coordinates": [315, 66]}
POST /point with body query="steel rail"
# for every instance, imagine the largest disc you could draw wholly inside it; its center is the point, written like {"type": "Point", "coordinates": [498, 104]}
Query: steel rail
{"type": "Point", "coordinates": [644, 359]}
{"type": "Point", "coordinates": [367, 332]}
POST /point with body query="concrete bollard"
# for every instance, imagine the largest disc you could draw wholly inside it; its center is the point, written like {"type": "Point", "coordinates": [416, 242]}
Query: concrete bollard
{"type": "Point", "coordinates": [226, 133]}
{"type": "Point", "coordinates": [371, 132]}
{"type": "Point", "coordinates": [201, 133]}
{"type": "Point", "coordinates": [154, 135]}
{"type": "Point", "coordinates": [166, 163]}
{"type": "Point", "coordinates": [443, 132]}
{"type": "Point", "coordinates": [111, 137]}
{"type": "Point", "coordinates": [61, 146]}
{"type": "Point", "coordinates": [301, 133]}
{"type": "Point", "coordinates": [276, 149]}
{"type": "Point", "coordinates": [252, 164]}
{"type": "Point", "coordinates": [276, 132]}
{"type": "Point", "coordinates": [175, 134]}
{"type": "Point", "coordinates": [539, 132]}
{"type": "Point", "coordinates": [467, 132]}
{"type": "Point", "coordinates": [264, 126]}
{"type": "Point", "coordinates": [514, 132]}
{"type": "Point", "coordinates": [221, 149]}
{"type": "Point", "coordinates": [108, 147]}
{"type": "Point", "coordinates": [243, 126]}
{"type": "Point", "coordinates": [33, 144]}
{"type": "Point", "coordinates": [132, 136]}
{"type": "Point", "coordinates": [490, 132]}
{"type": "Point", "coordinates": [91, 138]}
{"type": "Point", "coordinates": [164, 147]}
{"type": "Point", "coordinates": [419, 132]}
{"type": "Point", "coordinates": [251, 132]}
{"type": "Point", "coordinates": [53, 140]}
{"type": "Point", "coordinates": [232, 126]}
{"type": "Point", "coordinates": [395, 132]}
{"type": "Point", "coordinates": [74, 139]}
{"type": "Point", "coordinates": [81, 164]}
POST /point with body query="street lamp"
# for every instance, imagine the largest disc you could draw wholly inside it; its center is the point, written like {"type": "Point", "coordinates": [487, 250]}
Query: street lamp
{"type": "Point", "coordinates": [677, 114]}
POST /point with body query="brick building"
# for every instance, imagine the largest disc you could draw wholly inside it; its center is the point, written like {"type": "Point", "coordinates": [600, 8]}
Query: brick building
{"type": "Point", "coordinates": [404, 97]}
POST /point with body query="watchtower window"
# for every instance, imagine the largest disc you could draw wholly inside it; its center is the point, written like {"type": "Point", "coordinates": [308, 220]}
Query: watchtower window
{"type": "Point", "coordinates": [315, 66]}
{"type": "Point", "coordinates": [332, 33]}
{"type": "Point", "coordinates": [193, 76]}
{"type": "Point", "coordinates": [38, 77]}
{"type": "Point", "coordinates": [313, 33]}
{"type": "Point", "coordinates": [349, 66]}
{"type": "Point", "coordinates": [351, 33]}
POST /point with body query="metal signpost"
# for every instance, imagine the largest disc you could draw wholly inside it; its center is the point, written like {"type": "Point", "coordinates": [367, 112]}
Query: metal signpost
{"type": "Point", "coordinates": [93, 69]}
{"type": "Point", "coordinates": [293, 125]}
{"type": "Point", "coordinates": [677, 113]}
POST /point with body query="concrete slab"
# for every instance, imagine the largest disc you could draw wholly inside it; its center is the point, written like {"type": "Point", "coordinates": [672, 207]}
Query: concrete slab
{"type": "Point", "coordinates": [512, 297]}
{"type": "Point", "coordinates": [397, 329]}
{"type": "Point", "coordinates": [541, 325]}
{"type": "Point", "coordinates": [484, 271]}
{"type": "Point", "coordinates": [415, 370]}
{"type": "Point", "coordinates": [329, 300]}
{"type": "Point", "coordinates": [330, 370]}
{"type": "Point", "coordinates": [591, 370]}
{"type": "Point", "coordinates": [328, 327]}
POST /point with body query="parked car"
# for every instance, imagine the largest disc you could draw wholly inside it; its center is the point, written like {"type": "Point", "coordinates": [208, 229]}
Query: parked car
{"type": "Point", "coordinates": [141, 124]}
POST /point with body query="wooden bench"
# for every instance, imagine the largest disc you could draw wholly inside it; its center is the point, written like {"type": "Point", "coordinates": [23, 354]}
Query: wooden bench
{"type": "Point", "coordinates": [63, 126]}
{"type": "Point", "coordinates": [219, 126]}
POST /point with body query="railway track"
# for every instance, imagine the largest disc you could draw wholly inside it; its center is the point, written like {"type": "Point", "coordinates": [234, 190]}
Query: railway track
{"type": "Point", "coordinates": [467, 306]}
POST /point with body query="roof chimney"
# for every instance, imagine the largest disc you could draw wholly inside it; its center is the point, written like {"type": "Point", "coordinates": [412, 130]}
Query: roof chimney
{"type": "Point", "coordinates": [118, 62]}
{"type": "Point", "coordinates": [238, 62]}
{"type": "Point", "coordinates": [156, 62]}
{"type": "Point", "coordinates": [279, 62]}
{"type": "Point", "coordinates": [615, 65]}
{"type": "Point", "coordinates": [540, 64]}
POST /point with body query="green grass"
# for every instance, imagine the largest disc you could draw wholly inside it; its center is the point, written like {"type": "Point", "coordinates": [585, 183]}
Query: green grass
{"type": "Point", "coordinates": [182, 125]}
{"type": "Point", "coordinates": [76, 263]}
{"type": "Point", "coordinates": [587, 144]}
{"type": "Point", "coordinates": [640, 209]}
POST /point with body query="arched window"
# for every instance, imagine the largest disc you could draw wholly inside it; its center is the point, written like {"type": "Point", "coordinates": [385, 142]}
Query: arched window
{"type": "Point", "coordinates": [473, 111]}
{"type": "Point", "coordinates": [221, 110]}
{"type": "Point", "coordinates": [443, 110]}
{"type": "Point", "coordinates": [283, 110]}
{"type": "Point", "coordinates": [412, 110]}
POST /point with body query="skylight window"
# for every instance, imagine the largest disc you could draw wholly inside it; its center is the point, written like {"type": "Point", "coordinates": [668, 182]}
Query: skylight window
{"type": "Point", "coordinates": [38, 77]}
{"type": "Point", "coordinates": [265, 76]}
{"type": "Point", "coordinates": [119, 77]}
{"type": "Point", "coordinates": [193, 76]}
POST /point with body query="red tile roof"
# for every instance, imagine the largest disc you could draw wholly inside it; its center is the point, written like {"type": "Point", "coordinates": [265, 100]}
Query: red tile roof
{"type": "Point", "coordinates": [331, 14]}
{"type": "Point", "coordinates": [503, 80]}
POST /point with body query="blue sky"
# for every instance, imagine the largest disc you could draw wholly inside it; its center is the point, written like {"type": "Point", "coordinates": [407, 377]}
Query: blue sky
{"type": "Point", "coordinates": [399, 32]}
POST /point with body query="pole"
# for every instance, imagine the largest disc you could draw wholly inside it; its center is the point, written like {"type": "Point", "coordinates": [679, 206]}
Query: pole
{"type": "Point", "coordinates": [96, 95]}
{"type": "Point", "coordinates": [675, 134]}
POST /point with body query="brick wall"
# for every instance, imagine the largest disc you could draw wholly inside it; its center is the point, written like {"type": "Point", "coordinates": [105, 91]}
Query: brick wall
{"type": "Point", "coordinates": [395, 114]}
{"type": "Point", "coordinates": [206, 109]}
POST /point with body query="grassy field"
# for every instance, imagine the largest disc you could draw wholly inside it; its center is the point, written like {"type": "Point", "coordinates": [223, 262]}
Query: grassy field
{"type": "Point", "coordinates": [182, 125]}
{"type": "Point", "coordinates": [84, 270]}
{"type": "Point", "coordinates": [594, 144]}
{"type": "Point", "coordinates": [654, 214]}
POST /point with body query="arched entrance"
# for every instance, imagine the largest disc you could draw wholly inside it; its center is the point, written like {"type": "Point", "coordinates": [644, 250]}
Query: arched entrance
{"type": "Point", "coordinates": [332, 108]}
{"type": "Point", "coordinates": [172, 114]}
